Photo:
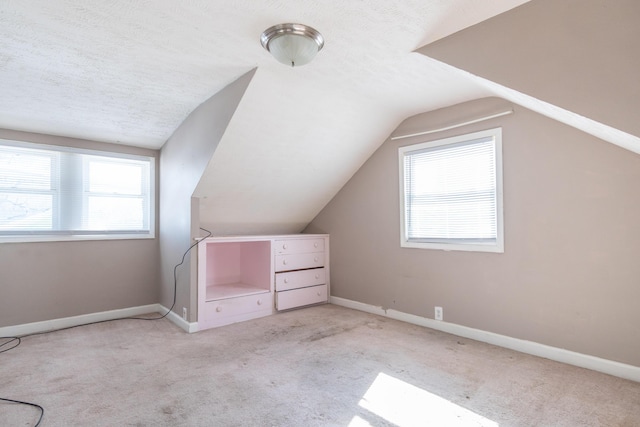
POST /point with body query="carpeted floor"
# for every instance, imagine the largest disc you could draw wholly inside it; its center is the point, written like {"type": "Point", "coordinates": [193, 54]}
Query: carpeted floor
{"type": "Point", "coordinates": [319, 366]}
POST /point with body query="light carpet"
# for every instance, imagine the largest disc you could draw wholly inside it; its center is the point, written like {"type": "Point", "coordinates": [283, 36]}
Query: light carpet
{"type": "Point", "coordinates": [318, 366]}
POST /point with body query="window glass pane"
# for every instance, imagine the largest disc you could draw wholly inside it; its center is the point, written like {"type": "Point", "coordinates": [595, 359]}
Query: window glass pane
{"type": "Point", "coordinates": [450, 192]}
{"type": "Point", "coordinates": [462, 219]}
{"type": "Point", "coordinates": [25, 169]}
{"type": "Point", "coordinates": [115, 177]}
{"type": "Point", "coordinates": [24, 211]}
{"type": "Point", "coordinates": [110, 187]}
{"type": "Point", "coordinates": [115, 213]}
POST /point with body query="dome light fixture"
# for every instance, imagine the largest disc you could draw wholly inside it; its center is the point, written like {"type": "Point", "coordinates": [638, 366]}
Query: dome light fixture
{"type": "Point", "coordinates": [292, 44]}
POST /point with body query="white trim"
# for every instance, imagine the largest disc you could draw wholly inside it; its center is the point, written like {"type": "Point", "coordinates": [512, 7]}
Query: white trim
{"type": "Point", "coordinates": [606, 366]}
{"type": "Point", "coordinates": [66, 322]}
{"type": "Point", "coordinates": [179, 321]}
{"type": "Point", "coordinates": [456, 125]}
{"type": "Point", "coordinates": [404, 151]}
{"type": "Point", "coordinates": [40, 238]}
{"type": "Point", "coordinates": [68, 181]}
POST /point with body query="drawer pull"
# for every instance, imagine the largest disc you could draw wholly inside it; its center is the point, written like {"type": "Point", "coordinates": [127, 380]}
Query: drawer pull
{"type": "Point", "coordinates": [218, 309]}
{"type": "Point", "coordinates": [287, 280]}
{"type": "Point", "coordinates": [284, 246]}
{"type": "Point", "coordinates": [259, 302]}
{"type": "Point", "coordinates": [318, 293]}
{"type": "Point", "coordinates": [315, 259]}
{"type": "Point", "coordinates": [284, 262]}
{"type": "Point", "coordinates": [317, 277]}
{"type": "Point", "coordinates": [315, 245]}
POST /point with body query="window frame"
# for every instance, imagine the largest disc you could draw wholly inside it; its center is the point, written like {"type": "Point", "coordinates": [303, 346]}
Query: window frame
{"type": "Point", "coordinates": [56, 235]}
{"type": "Point", "coordinates": [452, 244]}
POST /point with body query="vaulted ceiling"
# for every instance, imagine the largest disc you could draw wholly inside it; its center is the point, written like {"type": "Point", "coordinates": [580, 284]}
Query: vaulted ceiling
{"type": "Point", "coordinates": [129, 72]}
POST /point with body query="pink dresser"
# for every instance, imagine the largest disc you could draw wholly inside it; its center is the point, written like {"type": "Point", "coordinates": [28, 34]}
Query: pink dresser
{"type": "Point", "coordinates": [246, 277]}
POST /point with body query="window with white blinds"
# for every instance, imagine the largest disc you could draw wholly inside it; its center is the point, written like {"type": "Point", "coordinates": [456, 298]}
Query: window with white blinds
{"type": "Point", "coordinates": [451, 193]}
{"type": "Point", "coordinates": [57, 193]}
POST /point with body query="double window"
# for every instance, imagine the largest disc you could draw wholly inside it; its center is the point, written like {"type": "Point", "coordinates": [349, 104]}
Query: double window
{"type": "Point", "coordinates": [451, 193]}
{"type": "Point", "coordinates": [60, 193]}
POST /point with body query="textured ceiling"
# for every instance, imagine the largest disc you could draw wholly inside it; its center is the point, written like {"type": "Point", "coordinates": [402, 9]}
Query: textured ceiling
{"type": "Point", "coordinates": [130, 71]}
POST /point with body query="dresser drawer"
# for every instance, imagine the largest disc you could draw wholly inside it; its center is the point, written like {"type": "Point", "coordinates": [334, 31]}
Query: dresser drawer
{"type": "Point", "coordinates": [230, 310]}
{"type": "Point", "coordinates": [300, 279]}
{"type": "Point", "coordinates": [299, 297]}
{"type": "Point", "coordinates": [299, 261]}
{"type": "Point", "coordinates": [299, 246]}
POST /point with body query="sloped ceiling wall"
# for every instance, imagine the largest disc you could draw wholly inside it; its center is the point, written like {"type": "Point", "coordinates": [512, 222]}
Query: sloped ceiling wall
{"type": "Point", "coordinates": [574, 61]}
{"type": "Point", "coordinates": [573, 56]}
{"type": "Point", "coordinates": [183, 159]}
{"type": "Point", "coordinates": [280, 162]}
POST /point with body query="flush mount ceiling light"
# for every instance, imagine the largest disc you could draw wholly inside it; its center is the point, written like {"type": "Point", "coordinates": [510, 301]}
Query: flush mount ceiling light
{"type": "Point", "coordinates": [292, 44]}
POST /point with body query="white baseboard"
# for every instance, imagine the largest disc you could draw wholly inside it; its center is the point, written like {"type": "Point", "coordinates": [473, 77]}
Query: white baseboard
{"type": "Point", "coordinates": [179, 321]}
{"type": "Point", "coordinates": [610, 367]}
{"type": "Point", "coordinates": [66, 322]}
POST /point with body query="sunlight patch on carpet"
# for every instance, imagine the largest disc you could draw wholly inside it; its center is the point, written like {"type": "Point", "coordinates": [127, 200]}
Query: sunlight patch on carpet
{"type": "Point", "coordinates": [403, 404]}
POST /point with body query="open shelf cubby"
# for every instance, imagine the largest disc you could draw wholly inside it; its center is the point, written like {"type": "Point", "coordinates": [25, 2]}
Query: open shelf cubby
{"type": "Point", "coordinates": [236, 269]}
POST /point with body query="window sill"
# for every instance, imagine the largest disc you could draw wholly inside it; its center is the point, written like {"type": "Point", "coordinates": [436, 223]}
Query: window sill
{"type": "Point", "coordinates": [73, 238]}
{"type": "Point", "coordinates": [495, 248]}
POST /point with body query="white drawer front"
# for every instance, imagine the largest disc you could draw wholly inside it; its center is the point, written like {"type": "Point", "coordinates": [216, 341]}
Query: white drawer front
{"type": "Point", "coordinates": [299, 246]}
{"type": "Point", "coordinates": [300, 297]}
{"type": "Point", "coordinates": [299, 261]}
{"type": "Point", "coordinates": [300, 279]}
{"type": "Point", "coordinates": [232, 307]}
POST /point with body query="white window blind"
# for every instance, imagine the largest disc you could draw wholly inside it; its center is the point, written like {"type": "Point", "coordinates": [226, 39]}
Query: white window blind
{"type": "Point", "coordinates": [46, 190]}
{"type": "Point", "coordinates": [450, 193]}
{"type": "Point", "coordinates": [28, 189]}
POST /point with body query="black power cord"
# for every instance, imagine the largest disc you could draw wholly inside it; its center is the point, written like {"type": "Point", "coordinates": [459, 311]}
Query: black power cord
{"type": "Point", "coordinates": [35, 405]}
{"type": "Point", "coordinates": [11, 339]}
{"type": "Point", "coordinates": [18, 339]}
{"type": "Point", "coordinates": [175, 282]}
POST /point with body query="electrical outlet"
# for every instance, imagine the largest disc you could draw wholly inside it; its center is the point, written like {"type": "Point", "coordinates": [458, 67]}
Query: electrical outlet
{"type": "Point", "coordinates": [438, 314]}
{"type": "Point", "coordinates": [184, 313]}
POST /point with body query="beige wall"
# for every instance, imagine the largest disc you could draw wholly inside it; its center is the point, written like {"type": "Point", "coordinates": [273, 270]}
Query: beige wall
{"type": "Point", "coordinates": [43, 281]}
{"type": "Point", "coordinates": [183, 160]}
{"type": "Point", "coordinates": [581, 55]}
{"type": "Point", "coordinates": [569, 275]}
